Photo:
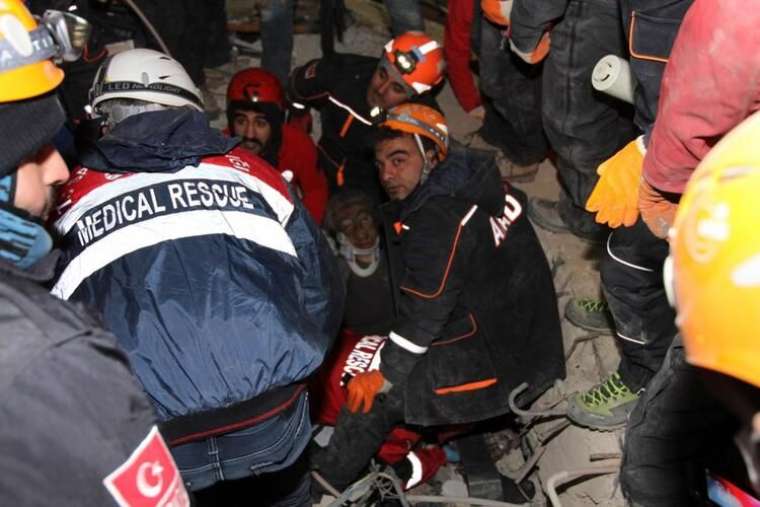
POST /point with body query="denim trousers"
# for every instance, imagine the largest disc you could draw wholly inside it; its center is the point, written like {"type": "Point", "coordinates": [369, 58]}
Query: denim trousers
{"type": "Point", "coordinates": [264, 451]}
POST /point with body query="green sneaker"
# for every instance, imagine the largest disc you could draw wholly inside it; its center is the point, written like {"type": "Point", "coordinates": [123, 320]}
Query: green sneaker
{"type": "Point", "coordinates": [603, 407]}
{"type": "Point", "coordinates": [590, 314]}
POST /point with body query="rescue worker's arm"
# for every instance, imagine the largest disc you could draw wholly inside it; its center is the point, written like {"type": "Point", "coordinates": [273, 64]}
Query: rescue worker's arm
{"type": "Point", "coordinates": [312, 182]}
{"type": "Point", "coordinates": [321, 284]}
{"type": "Point", "coordinates": [456, 49]}
{"type": "Point", "coordinates": [711, 83]}
{"type": "Point", "coordinates": [309, 84]}
{"type": "Point", "coordinates": [531, 23]}
{"type": "Point", "coordinates": [434, 260]}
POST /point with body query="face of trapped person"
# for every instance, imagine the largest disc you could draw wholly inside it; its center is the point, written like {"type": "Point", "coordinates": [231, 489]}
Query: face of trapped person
{"type": "Point", "coordinates": [254, 128]}
{"type": "Point", "coordinates": [36, 179]}
{"type": "Point", "coordinates": [356, 223]}
{"type": "Point", "coordinates": [383, 91]}
{"type": "Point", "coordinates": [400, 164]}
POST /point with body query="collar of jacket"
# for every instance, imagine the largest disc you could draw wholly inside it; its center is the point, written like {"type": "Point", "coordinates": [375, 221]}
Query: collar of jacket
{"type": "Point", "coordinates": [157, 141]}
{"type": "Point", "coordinates": [42, 271]}
{"type": "Point", "coordinates": [467, 174]}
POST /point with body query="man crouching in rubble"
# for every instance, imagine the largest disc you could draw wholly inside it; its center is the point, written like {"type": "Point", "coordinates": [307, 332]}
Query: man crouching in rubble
{"type": "Point", "coordinates": [476, 312]}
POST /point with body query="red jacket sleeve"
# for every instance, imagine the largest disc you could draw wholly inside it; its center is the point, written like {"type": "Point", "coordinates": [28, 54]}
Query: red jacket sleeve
{"type": "Point", "coordinates": [711, 83]}
{"type": "Point", "coordinates": [299, 155]}
{"type": "Point", "coordinates": [456, 49]}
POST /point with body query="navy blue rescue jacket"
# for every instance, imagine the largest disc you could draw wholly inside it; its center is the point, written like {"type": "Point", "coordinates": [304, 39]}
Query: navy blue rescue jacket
{"type": "Point", "coordinates": [212, 276]}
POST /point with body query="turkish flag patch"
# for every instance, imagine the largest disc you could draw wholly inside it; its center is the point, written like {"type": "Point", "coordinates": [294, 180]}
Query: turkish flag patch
{"type": "Point", "coordinates": [149, 477]}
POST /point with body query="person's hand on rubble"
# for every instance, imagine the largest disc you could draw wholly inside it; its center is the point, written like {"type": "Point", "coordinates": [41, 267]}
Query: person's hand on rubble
{"type": "Point", "coordinates": [657, 211]}
{"type": "Point", "coordinates": [538, 53]}
{"type": "Point", "coordinates": [615, 198]}
{"type": "Point", "coordinates": [363, 388]}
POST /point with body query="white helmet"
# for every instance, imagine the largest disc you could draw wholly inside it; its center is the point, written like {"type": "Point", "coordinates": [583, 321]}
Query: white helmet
{"type": "Point", "coordinates": [145, 74]}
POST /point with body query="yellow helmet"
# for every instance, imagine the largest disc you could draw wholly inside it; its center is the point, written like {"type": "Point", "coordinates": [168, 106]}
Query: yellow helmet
{"type": "Point", "coordinates": [26, 49]}
{"type": "Point", "coordinates": [715, 257]}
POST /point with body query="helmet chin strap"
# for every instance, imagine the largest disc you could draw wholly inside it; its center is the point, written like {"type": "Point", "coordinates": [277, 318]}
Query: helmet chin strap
{"type": "Point", "coordinates": [426, 168]}
{"type": "Point", "coordinates": [350, 252]}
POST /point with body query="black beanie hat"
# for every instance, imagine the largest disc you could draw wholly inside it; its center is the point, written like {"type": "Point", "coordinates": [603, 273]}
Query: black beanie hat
{"type": "Point", "coordinates": [25, 127]}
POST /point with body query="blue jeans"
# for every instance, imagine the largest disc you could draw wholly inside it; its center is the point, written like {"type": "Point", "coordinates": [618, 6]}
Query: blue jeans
{"type": "Point", "coordinates": [277, 37]}
{"type": "Point", "coordinates": [405, 16]}
{"type": "Point", "coordinates": [270, 446]}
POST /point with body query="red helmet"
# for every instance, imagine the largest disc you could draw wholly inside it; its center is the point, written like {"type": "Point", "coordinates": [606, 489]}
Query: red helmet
{"type": "Point", "coordinates": [255, 85]}
{"type": "Point", "coordinates": [417, 59]}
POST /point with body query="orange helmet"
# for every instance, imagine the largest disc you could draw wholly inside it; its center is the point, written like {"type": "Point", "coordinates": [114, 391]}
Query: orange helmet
{"type": "Point", "coordinates": [420, 120]}
{"type": "Point", "coordinates": [26, 69]}
{"type": "Point", "coordinates": [255, 85]}
{"type": "Point", "coordinates": [416, 60]}
{"type": "Point", "coordinates": [497, 11]}
{"type": "Point", "coordinates": [714, 259]}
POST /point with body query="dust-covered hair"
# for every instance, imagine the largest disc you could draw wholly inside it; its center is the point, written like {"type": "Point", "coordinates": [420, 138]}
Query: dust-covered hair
{"type": "Point", "coordinates": [343, 199]}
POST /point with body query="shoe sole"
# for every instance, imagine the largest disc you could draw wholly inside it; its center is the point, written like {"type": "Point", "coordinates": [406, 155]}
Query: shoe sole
{"type": "Point", "coordinates": [586, 421]}
{"type": "Point", "coordinates": [607, 330]}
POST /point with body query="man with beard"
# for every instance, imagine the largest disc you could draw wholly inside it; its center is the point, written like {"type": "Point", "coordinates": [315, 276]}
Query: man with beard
{"type": "Point", "coordinates": [256, 113]}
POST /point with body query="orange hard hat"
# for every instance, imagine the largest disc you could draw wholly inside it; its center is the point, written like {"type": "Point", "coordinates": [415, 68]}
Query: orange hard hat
{"type": "Point", "coordinates": [418, 119]}
{"type": "Point", "coordinates": [498, 12]}
{"type": "Point", "coordinates": [416, 59]}
{"type": "Point", "coordinates": [26, 69]}
{"type": "Point", "coordinates": [714, 262]}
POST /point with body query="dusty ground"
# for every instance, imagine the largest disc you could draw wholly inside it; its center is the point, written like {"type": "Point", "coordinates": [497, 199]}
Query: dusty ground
{"type": "Point", "coordinates": [573, 260]}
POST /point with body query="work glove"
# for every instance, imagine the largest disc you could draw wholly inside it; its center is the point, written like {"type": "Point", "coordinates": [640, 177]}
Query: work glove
{"type": "Point", "coordinates": [656, 210]}
{"type": "Point", "coordinates": [615, 198]}
{"type": "Point", "coordinates": [538, 53]}
{"type": "Point", "coordinates": [363, 388]}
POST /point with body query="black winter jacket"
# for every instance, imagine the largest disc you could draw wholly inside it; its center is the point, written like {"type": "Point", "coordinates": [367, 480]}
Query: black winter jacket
{"type": "Point", "coordinates": [71, 412]}
{"type": "Point", "coordinates": [477, 311]}
{"type": "Point", "coordinates": [337, 86]}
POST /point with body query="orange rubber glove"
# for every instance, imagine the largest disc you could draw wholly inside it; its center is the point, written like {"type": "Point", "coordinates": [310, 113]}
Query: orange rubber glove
{"type": "Point", "coordinates": [538, 53]}
{"type": "Point", "coordinates": [363, 388]}
{"type": "Point", "coordinates": [615, 198]}
{"type": "Point", "coordinates": [656, 211]}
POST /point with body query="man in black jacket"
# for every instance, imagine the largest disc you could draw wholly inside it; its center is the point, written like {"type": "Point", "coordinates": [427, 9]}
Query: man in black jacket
{"type": "Point", "coordinates": [349, 89]}
{"type": "Point", "coordinates": [75, 428]}
{"type": "Point", "coordinates": [476, 308]}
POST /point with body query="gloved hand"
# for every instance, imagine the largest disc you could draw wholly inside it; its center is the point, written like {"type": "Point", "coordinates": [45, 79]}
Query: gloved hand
{"type": "Point", "coordinates": [363, 388]}
{"type": "Point", "coordinates": [615, 196]}
{"type": "Point", "coordinates": [657, 212]}
{"type": "Point", "coordinates": [538, 53]}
